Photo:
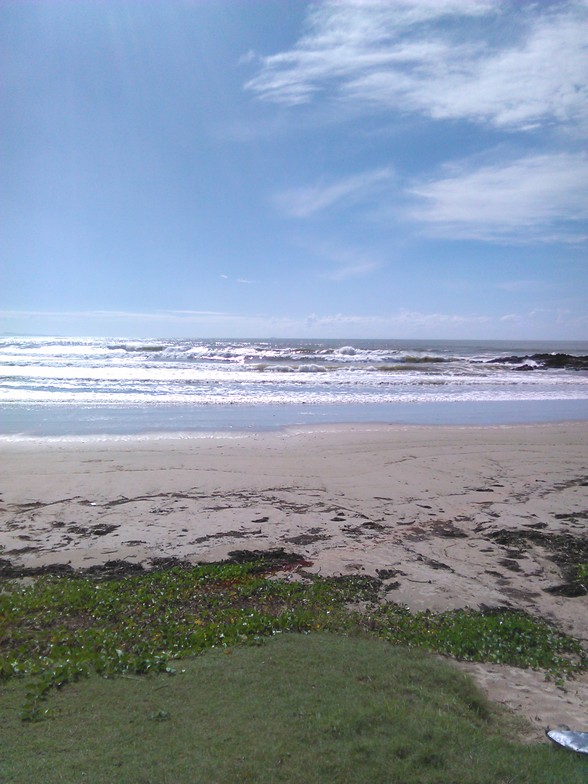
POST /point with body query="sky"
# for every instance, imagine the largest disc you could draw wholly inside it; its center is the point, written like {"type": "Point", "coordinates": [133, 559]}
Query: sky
{"type": "Point", "coordinates": [279, 168]}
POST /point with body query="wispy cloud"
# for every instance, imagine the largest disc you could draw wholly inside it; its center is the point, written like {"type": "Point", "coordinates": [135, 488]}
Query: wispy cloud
{"type": "Point", "coordinates": [237, 280]}
{"type": "Point", "coordinates": [544, 323]}
{"type": "Point", "coordinates": [242, 323]}
{"type": "Point", "coordinates": [535, 198]}
{"type": "Point", "coordinates": [391, 56]}
{"type": "Point", "coordinates": [400, 323]}
{"type": "Point", "coordinates": [351, 265]}
{"type": "Point", "coordinates": [346, 271]}
{"type": "Point", "coordinates": [404, 323]}
{"type": "Point", "coordinates": [304, 202]}
{"type": "Point", "coordinates": [518, 286]}
{"type": "Point", "coordinates": [157, 315]}
{"type": "Point", "coordinates": [342, 262]}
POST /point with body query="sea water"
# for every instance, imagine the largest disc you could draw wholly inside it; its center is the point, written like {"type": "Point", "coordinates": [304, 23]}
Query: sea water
{"type": "Point", "coordinates": [53, 386]}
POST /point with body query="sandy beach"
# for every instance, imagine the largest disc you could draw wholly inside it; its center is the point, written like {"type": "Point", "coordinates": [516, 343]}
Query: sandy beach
{"type": "Point", "coordinates": [447, 516]}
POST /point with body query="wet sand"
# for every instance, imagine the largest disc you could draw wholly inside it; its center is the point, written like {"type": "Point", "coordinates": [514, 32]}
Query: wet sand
{"type": "Point", "coordinates": [447, 517]}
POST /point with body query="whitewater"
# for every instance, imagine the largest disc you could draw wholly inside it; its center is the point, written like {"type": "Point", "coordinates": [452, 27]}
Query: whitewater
{"type": "Point", "coordinates": [54, 386]}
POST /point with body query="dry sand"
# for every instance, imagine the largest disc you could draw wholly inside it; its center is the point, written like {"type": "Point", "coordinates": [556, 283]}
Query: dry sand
{"type": "Point", "coordinates": [448, 516]}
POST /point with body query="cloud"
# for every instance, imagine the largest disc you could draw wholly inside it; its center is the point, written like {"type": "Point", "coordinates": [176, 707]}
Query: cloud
{"type": "Point", "coordinates": [502, 64]}
{"type": "Point", "coordinates": [546, 324]}
{"type": "Point", "coordinates": [237, 280]}
{"type": "Point", "coordinates": [305, 202]}
{"type": "Point", "coordinates": [203, 316]}
{"type": "Point", "coordinates": [405, 323]}
{"type": "Point", "coordinates": [359, 269]}
{"type": "Point", "coordinates": [158, 315]}
{"type": "Point", "coordinates": [535, 198]}
{"type": "Point", "coordinates": [517, 286]}
{"type": "Point", "coordinates": [344, 262]}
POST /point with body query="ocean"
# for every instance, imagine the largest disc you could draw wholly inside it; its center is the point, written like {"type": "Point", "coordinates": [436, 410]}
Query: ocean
{"type": "Point", "coordinates": [79, 387]}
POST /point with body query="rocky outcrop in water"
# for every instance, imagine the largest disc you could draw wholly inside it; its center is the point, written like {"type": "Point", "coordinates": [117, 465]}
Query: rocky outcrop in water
{"type": "Point", "coordinates": [544, 361]}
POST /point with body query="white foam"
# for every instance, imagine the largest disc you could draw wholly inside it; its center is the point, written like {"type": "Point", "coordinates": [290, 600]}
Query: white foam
{"type": "Point", "coordinates": [118, 373]}
{"type": "Point", "coordinates": [312, 368]}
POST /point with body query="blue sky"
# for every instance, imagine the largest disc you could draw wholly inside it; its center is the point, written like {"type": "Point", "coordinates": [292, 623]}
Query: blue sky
{"type": "Point", "coordinates": [276, 168]}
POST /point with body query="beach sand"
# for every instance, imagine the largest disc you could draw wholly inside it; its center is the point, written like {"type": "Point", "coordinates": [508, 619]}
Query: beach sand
{"type": "Point", "coordinates": [448, 516]}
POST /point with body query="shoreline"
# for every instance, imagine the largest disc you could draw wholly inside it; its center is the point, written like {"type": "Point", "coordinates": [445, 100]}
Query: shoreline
{"type": "Point", "coordinates": [20, 421]}
{"type": "Point", "coordinates": [446, 516]}
{"type": "Point", "coordinates": [170, 439]}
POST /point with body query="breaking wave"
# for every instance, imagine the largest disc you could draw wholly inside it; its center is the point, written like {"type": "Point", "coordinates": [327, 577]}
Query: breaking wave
{"type": "Point", "coordinates": [43, 372]}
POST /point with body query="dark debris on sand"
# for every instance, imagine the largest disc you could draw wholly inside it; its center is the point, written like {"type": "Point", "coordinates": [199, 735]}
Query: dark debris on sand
{"type": "Point", "coordinates": [567, 551]}
{"type": "Point", "coordinates": [268, 560]}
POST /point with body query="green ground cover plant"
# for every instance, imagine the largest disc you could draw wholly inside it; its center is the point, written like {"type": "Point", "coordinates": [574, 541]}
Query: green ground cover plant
{"type": "Point", "coordinates": [582, 575]}
{"type": "Point", "coordinates": [498, 636]}
{"type": "Point", "coordinates": [313, 708]}
{"type": "Point", "coordinates": [58, 629]}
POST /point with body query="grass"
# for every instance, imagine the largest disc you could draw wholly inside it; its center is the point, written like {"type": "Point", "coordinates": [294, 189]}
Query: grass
{"type": "Point", "coordinates": [497, 636]}
{"type": "Point", "coordinates": [297, 708]}
{"type": "Point", "coordinates": [59, 629]}
{"type": "Point", "coordinates": [62, 628]}
{"type": "Point", "coordinates": [359, 699]}
{"type": "Point", "coordinates": [581, 575]}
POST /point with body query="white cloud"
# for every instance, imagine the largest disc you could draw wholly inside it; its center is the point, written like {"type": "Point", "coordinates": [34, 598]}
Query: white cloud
{"type": "Point", "coordinates": [536, 198]}
{"type": "Point", "coordinates": [401, 318]}
{"type": "Point", "coordinates": [237, 280]}
{"type": "Point", "coordinates": [402, 324]}
{"type": "Point", "coordinates": [344, 261]}
{"type": "Point", "coordinates": [549, 324]}
{"type": "Point", "coordinates": [526, 65]}
{"type": "Point", "coordinates": [344, 39]}
{"type": "Point", "coordinates": [546, 323]}
{"type": "Point", "coordinates": [304, 202]}
{"type": "Point", "coordinates": [353, 270]}
{"type": "Point", "coordinates": [157, 315]}
{"type": "Point", "coordinates": [521, 286]}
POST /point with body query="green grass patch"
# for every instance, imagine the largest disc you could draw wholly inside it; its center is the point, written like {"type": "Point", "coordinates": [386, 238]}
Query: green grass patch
{"type": "Point", "coordinates": [298, 708]}
{"type": "Point", "coordinates": [498, 636]}
{"type": "Point", "coordinates": [59, 629]}
{"type": "Point", "coordinates": [581, 576]}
